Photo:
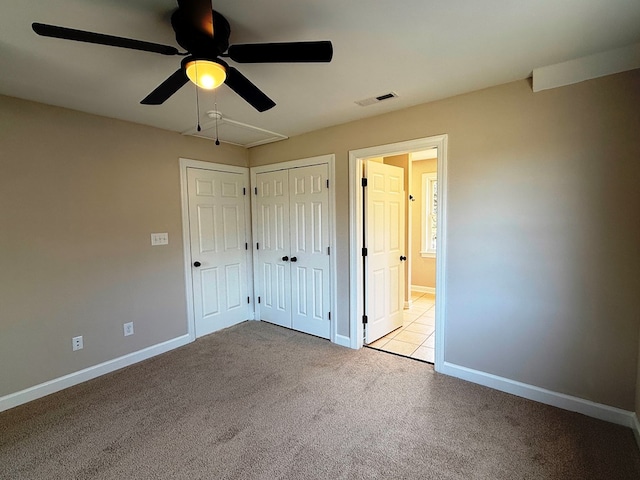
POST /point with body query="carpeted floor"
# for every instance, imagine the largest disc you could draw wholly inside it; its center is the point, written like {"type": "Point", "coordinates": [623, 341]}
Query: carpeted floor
{"type": "Point", "coordinates": [259, 401]}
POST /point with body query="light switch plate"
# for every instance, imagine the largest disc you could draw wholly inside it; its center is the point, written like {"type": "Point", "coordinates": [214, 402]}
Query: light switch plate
{"type": "Point", "coordinates": [159, 239]}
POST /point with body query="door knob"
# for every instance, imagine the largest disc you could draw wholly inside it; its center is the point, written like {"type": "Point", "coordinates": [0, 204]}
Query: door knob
{"type": "Point", "coordinates": [196, 264]}
{"type": "Point", "coordinates": [294, 259]}
{"type": "Point", "coordinates": [285, 259]}
{"type": "Point", "coordinates": [402, 258]}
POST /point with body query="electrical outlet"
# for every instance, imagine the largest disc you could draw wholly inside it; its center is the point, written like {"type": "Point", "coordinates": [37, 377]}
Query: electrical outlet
{"type": "Point", "coordinates": [77, 343]}
{"type": "Point", "coordinates": [128, 329]}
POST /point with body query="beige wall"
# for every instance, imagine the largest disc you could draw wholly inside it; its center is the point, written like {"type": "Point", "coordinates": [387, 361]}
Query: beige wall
{"type": "Point", "coordinates": [79, 197]}
{"type": "Point", "coordinates": [543, 233]}
{"type": "Point", "coordinates": [423, 270]}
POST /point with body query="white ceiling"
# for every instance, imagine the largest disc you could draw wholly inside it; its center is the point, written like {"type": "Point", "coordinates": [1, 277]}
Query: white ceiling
{"type": "Point", "coordinates": [421, 49]}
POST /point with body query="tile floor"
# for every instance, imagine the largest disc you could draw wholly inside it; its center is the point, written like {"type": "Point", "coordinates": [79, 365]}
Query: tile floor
{"type": "Point", "coordinates": [415, 339]}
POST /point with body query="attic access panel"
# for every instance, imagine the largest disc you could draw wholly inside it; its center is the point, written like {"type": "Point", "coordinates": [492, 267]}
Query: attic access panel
{"type": "Point", "coordinates": [234, 132]}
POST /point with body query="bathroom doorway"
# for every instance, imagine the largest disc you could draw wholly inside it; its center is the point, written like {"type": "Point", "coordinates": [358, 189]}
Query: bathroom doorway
{"type": "Point", "coordinates": [414, 336]}
{"type": "Point", "coordinates": [417, 336]}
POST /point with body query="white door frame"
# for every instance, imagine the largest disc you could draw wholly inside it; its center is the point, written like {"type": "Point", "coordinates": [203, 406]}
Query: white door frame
{"type": "Point", "coordinates": [186, 240]}
{"type": "Point", "coordinates": [356, 158]}
{"type": "Point", "coordinates": [330, 159]}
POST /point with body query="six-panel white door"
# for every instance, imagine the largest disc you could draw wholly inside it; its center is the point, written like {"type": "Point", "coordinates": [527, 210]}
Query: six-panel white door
{"type": "Point", "coordinates": [384, 227]}
{"type": "Point", "coordinates": [309, 258]}
{"type": "Point", "coordinates": [217, 229]}
{"type": "Point", "coordinates": [292, 248]}
{"type": "Point", "coordinates": [273, 276]}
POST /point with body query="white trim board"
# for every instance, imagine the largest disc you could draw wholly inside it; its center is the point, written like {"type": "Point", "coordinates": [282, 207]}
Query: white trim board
{"type": "Point", "coordinates": [421, 289]}
{"type": "Point", "coordinates": [66, 381]}
{"type": "Point", "coordinates": [303, 162]}
{"type": "Point", "coordinates": [343, 341]}
{"type": "Point", "coordinates": [542, 395]}
{"type": "Point", "coordinates": [585, 68]}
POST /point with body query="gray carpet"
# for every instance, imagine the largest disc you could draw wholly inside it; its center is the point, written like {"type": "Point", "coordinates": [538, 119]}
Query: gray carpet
{"type": "Point", "coordinates": [259, 401]}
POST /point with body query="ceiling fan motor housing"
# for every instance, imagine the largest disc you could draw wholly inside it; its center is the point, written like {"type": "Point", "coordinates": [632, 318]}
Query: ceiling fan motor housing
{"type": "Point", "coordinates": [198, 42]}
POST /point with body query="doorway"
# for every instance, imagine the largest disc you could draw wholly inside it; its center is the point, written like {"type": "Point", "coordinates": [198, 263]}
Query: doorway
{"type": "Point", "coordinates": [414, 336]}
{"type": "Point", "coordinates": [424, 310]}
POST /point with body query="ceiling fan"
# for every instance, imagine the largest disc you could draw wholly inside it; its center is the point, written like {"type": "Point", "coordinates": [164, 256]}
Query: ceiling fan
{"type": "Point", "coordinates": [204, 34]}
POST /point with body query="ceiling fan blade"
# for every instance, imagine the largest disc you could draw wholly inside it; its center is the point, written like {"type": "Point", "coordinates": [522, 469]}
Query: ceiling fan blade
{"type": "Point", "coordinates": [247, 90]}
{"type": "Point", "coordinates": [101, 39]}
{"type": "Point", "coordinates": [167, 88]}
{"type": "Point", "coordinates": [284, 52]}
{"type": "Point", "coordinates": [198, 13]}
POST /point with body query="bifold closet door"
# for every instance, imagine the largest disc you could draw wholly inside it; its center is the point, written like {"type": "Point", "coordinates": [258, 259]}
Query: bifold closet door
{"type": "Point", "coordinates": [292, 277]}
{"type": "Point", "coordinates": [273, 277]}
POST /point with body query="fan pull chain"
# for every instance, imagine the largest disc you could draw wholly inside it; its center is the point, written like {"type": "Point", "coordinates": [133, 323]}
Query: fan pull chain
{"type": "Point", "coordinates": [197, 103]}
{"type": "Point", "coordinates": [215, 106]}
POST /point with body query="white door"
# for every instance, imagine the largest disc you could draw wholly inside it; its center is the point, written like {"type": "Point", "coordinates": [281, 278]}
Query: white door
{"type": "Point", "coordinates": [217, 228]}
{"type": "Point", "coordinates": [292, 256]}
{"type": "Point", "coordinates": [273, 276]}
{"type": "Point", "coordinates": [309, 254]}
{"type": "Point", "coordinates": [384, 227]}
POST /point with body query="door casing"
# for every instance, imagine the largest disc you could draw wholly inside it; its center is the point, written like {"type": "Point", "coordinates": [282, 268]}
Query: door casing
{"type": "Point", "coordinates": [356, 159]}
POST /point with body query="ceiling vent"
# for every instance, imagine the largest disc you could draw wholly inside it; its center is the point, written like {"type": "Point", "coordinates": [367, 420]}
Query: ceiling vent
{"type": "Point", "coordinates": [380, 98]}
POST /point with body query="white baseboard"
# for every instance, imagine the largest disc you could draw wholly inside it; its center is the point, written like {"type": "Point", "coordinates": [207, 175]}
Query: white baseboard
{"type": "Point", "coordinates": [542, 395]}
{"type": "Point", "coordinates": [66, 381]}
{"type": "Point", "coordinates": [343, 341]}
{"type": "Point", "coordinates": [421, 289]}
{"type": "Point", "coordinates": [636, 428]}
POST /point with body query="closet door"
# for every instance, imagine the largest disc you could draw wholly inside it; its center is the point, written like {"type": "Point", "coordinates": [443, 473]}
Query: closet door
{"type": "Point", "coordinates": [273, 277]}
{"type": "Point", "coordinates": [309, 255]}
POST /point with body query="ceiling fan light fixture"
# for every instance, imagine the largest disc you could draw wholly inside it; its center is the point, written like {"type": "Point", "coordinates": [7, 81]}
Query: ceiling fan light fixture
{"type": "Point", "coordinates": [206, 74]}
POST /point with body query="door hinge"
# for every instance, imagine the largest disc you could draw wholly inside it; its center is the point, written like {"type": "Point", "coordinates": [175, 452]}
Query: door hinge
{"type": "Point", "coordinates": [365, 319]}
{"type": "Point", "coordinates": [255, 190]}
{"type": "Point", "coordinates": [246, 246]}
{"type": "Point", "coordinates": [328, 250]}
{"type": "Point", "coordinates": [257, 246]}
{"type": "Point", "coordinates": [329, 315]}
{"type": "Point", "coordinates": [364, 252]}
{"type": "Point", "coordinates": [248, 300]}
{"type": "Point", "coordinates": [327, 183]}
{"type": "Point", "coordinates": [258, 299]}
{"type": "Point", "coordinates": [244, 191]}
{"type": "Point", "coordinates": [364, 182]}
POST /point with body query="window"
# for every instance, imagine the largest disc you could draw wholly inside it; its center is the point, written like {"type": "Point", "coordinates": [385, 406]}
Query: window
{"type": "Point", "coordinates": [429, 214]}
